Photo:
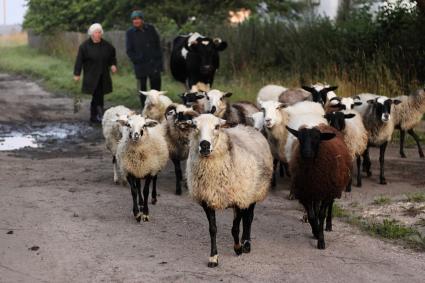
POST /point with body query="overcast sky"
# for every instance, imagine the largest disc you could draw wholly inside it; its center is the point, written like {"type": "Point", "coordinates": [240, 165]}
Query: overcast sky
{"type": "Point", "coordinates": [15, 11]}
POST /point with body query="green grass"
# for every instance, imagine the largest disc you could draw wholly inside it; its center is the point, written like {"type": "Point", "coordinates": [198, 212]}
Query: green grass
{"type": "Point", "coordinates": [56, 75]}
{"type": "Point", "coordinates": [338, 211]}
{"type": "Point", "coordinates": [381, 200]}
{"type": "Point", "coordinates": [416, 197]}
{"type": "Point", "coordinates": [389, 229]}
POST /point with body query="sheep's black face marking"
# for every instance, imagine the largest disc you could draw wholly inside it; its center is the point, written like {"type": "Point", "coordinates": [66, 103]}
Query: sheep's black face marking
{"type": "Point", "coordinates": [382, 108]}
{"type": "Point", "coordinates": [190, 98]}
{"type": "Point", "coordinates": [184, 121]}
{"type": "Point", "coordinates": [309, 140]}
{"type": "Point", "coordinates": [319, 96]}
{"type": "Point", "coordinates": [213, 109]}
{"type": "Point", "coordinates": [336, 120]}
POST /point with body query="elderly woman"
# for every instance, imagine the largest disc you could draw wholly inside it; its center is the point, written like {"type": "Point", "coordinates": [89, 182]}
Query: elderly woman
{"type": "Point", "coordinates": [96, 57]}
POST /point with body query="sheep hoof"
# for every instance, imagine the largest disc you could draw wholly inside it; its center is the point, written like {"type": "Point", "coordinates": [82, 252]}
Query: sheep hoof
{"type": "Point", "coordinates": [304, 218]}
{"type": "Point", "coordinates": [359, 184]}
{"type": "Point", "coordinates": [178, 192]}
{"type": "Point", "coordinates": [402, 155]}
{"type": "Point", "coordinates": [246, 248]}
{"type": "Point", "coordinates": [238, 249]}
{"type": "Point", "coordinates": [291, 196]}
{"type": "Point", "coordinates": [321, 245]}
{"type": "Point", "coordinates": [368, 173]}
{"type": "Point", "coordinates": [145, 218]}
{"type": "Point", "coordinates": [328, 228]}
{"type": "Point", "coordinates": [383, 181]}
{"type": "Point", "coordinates": [138, 217]}
{"type": "Point", "coordinates": [213, 261]}
{"type": "Point", "coordinates": [154, 201]}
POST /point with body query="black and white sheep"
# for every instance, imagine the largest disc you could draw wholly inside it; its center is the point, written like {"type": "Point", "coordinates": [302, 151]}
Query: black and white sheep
{"type": "Point", "coordinates": [155, 105]}
{"type": "Point", "coordinates": [228, 168]}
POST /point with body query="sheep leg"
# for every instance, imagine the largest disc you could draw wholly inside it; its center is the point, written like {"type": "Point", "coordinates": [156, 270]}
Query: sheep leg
{"type": "Point", "coordinates": [154, 200]}
{"type": "Point", "coordinates": [237, 217]}
{"type": "Point", "coordinates": [416, 138]}
{"type": "Point", "coordinates": [179, 176]}
{"type": "Point", "coordinates": [114, 165]}
{"type": "Point", "coordinates": [145, 214]}
{"type": "Point", "coordinates": [359, 175]}
{"type": "Point", "coordinates": [382, 149]}
{"type": "Point", "coordinates": [286, 167]}
{"type": "Point", "coordinates": [281, 169]}
{"type": "Point", "coordinates": [329, 217]}
{"type": "Point", "coordinates": [138, 185]}
{"type": "Point", "coordinates": [133, 187]}
{"type": "Point", "coordinates": [402, 137]}
{"type": "Point", "coordinates": [275, 162]}
{"type": "Point", "coordinates": [321, 217]}
{"type": "Point", "coordinates": [213, 259]}
{"type": "Point", "coordinates": [308, 206]}
{"type": "Point", "coordinates": [247, 217]}
{"type": "Point", "coordinates": [366, 162]}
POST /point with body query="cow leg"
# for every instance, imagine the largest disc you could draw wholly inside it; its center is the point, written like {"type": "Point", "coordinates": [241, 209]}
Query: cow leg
{"type": "Point", "coordinates": [416, 138]}
{"type": "Point", "coordinates": [329, 216]}
{"type": "Point", "coordinates": [359, 174]}
{"type": "Point", "coordinates": [237, 217]}
{"type": "Point", "coordinates": [179, 176]}
{"type": "Point", "coordinates": [247, 217]}
{"type": "Point", "coordinates": [154, 200]}
{"type": "Point", "coordinates": [382, 149]}
{"type": "Point", "coordinates": [402, 137]}
{"type": "Point", "coordinates": [213, 259]}
{"type": "Point", "coordinates": [145, 214]}
{"type": "Point", "coordinates": [366, 162]}
{"type": "Point", "coordinates": [132, 182]}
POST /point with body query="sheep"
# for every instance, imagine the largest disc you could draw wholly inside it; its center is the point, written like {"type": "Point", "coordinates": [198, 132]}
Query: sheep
{"type": "Point", "coordinates": [155, 105]}
{"type": "Point", "coordinates": [269, 93]}
{"type": "Point", "coordinates": [257, 121]}
{"type": "Point", "coordinates": [377, 119]}
{"type": "Point", "coordinates": [321, 93]}
{"type": "Point", "coordinates": [407, 115]}
{"type": "Point", "coordinates": [350, 124]}
{"type": "Point", "coordinates": [196, 97]}
{"type": "Point", "coordinates": [112, 133]}
{"type": "Point", "coordinates": [235, 113]}
{"type": "Point", "coordinates": [320, 170]}
{"type": "Point", "coordinates": [294, 95]}
{"type": "Point", "coordinates": [228, 168]}
{"type": "Point", "coordinates": [141, 154]}
{"type": "Point", "coordinates": [342, 103]}
{"type": "Point", "coordinates": [178, 126]}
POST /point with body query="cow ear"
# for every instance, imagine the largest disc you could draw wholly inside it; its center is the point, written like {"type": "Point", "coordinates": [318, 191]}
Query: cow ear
{"type": "Point", "coordinates": [396, 101]}
{"type": "Point", "coordinates": [227, 94]}
{"type": "Point", "coordinates": [349, 116]}
{"type": "Point", "coordinates": [326, 136]}
{"type": "Point", "coordinates": [220, 46]}
{"type": "Point", "coordinates": [292, 131]}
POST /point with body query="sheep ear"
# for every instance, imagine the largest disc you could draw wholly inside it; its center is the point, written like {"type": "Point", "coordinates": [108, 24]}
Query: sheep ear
{"type": "Point", "coordinates": [199, 96]}
{"type": "Point", "coordinates": [371, 101]}
{"type": "Point", "coordinates": [327, 116]}
{"type": "Point", "coordinates": [396, 101]}
{"type": "Point", "coordinates": [281, 106]}
{"type": "Point", "coordinates": [334, 101]}
{"type": "Point", "coordinates": [331, 88]}
{"type": "Point", "coordinates": [164, 92]}
{"type": "Point", "coordinates": [358, 103]}
{"type": "Point", "coordinates": [292, 131]}
{"type": "Point", "coordinates": [227, 94]}
{"type": "Point", "coordinates": [150, 123]}
{"type": "Point", "coordinates": [326, 136]}
{"type": "Point", "coordinates": [308, 88]}
{"type": "Point", "coordinates": [145, 93]}
{"type": "Point", "coordinates": [192, 113]}
{"type": "Point", "coordinates": [349, 116]}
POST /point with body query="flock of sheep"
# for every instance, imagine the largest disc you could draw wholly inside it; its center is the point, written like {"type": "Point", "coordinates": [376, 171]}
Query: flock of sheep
{"type": "Point", "coordinates": [232, 150]}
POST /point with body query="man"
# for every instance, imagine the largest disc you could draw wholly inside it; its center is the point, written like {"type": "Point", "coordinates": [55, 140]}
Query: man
{"type": "Point", "coordinates": [144, 50]}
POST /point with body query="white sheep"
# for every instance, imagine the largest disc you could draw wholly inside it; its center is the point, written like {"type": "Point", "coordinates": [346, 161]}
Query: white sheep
{"type": "Point", "coordinates": [112, 132]}
{"type": "Point", "coordinates": [407, 115]}
{"type": "Point", "coordinates": [269, 93]}
{"type": "Point", "coordinates": [141, 154]}
{"type": "Point", "coordinates": [178, 127]}
{"type": "Point", "coordinates": [233, 113]}
{"type": "Point", "coordinates": [228, 168]}
{"type": "Point", "coordinates": [377, 119]}
{"type": "Point", "coordinates": [155, 105]}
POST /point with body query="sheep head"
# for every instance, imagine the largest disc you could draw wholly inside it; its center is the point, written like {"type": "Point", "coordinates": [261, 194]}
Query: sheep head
{"type": "Point", "coordinates": [272, 113]}
{"type": "Point", "coordinates": [207, 130]}
{"type": "Point", "coordinates": [309, 140]}
{"type": "Point", "coordinates": [216, 102]}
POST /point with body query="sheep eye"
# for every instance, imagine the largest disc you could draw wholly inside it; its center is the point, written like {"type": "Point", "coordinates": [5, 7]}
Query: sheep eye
{"type": "Point", "coordinates": [127, 125]}
{"type": "Point", "coordinates": [217, 127]}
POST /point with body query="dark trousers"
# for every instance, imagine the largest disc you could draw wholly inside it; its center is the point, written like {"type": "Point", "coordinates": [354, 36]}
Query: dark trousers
{"type": "Point", "coordinates": [96, 105]}
{"type": "Point", "coordinates": [154, 81]}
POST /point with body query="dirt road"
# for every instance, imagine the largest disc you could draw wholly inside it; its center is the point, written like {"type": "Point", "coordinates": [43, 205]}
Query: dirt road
{"type": "Point", "coordinates": [62, 200]}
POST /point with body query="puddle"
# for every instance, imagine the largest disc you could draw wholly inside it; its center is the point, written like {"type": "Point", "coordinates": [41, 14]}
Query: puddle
{"type": "Point", "coordinates": [14, 137]}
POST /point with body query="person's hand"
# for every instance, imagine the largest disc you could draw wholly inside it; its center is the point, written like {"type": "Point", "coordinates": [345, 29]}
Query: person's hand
{"type": "Point", "coordinates": [77, 78]}
{"type": "Point", "coordinates": [114, 69]}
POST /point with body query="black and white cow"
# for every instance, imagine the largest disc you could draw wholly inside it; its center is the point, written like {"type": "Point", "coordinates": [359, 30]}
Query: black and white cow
{"type": "Point", "coordinates": [195, 58]}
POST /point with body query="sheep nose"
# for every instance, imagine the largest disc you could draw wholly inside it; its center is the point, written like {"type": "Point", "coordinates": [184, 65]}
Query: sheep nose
{"type": "Point", "coordinates": [268, 122]}
{"type": "Point", "coordinates": [205, 147]}
{"type": "Point", "coordinates": [213, 109]}
{"type": "Point", "coordinates": [385, 117]}
{"type": "Point", "coordinates": [136, 136]}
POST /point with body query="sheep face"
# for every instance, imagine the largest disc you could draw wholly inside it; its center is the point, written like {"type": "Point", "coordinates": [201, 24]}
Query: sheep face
{"type": "Point", "coordinates": [207, 131]}
{"type": "Point", "coordinates": [382, 107]}
{"type": "Point", "coordinates": [153, 96]}
{"type": "Point", "coordinates": [272, 115]}
{"type": "Point", "coordinates": [309, 140]}
{"type": "Point", "coordinates": [337, 119]}
{"type": "Point", "coordinates": [321, 93]}
{"type": "Point", "coordinates": [136, 125]}
{"type": "Point", "coordinates": [190, 98]}
{"type": "Point", "coordinates": [344, 103]}
{"type": "Point", "coordinates": [216, 103]}
{"type": "Point", "coordinates": [181, 115]}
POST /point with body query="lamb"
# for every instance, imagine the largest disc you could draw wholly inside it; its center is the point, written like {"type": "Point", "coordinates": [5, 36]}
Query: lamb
{"type": "Point", "coordinates": [235, 113]}
{"type": "Point", "coordinates": [350, 124]}
{"type": "Point", "coordinates": [141, 154]}
{"type": "Point", "coordinates": [269, 93]}
{"type": "Point", "coordinates": [178, 127]}
{"type": "Point", "coordinates": [228, 168]}
{"type": "Point", "coordinates": [112, 132]}
{"type": "Point", "coordinates": [320, 170]}
{"type": "Point", "coordinates": [407, 115]}
{"type": "Point", "coordinates": [155, 105]}
{"type": "Point", "coordinates": [376, 114]}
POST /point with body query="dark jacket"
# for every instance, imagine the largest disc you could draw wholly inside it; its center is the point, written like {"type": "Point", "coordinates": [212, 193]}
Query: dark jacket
{"type": "Point", "coordinates": [144, 50]}
{"type": "Point", "coordinates": [95, 59]}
